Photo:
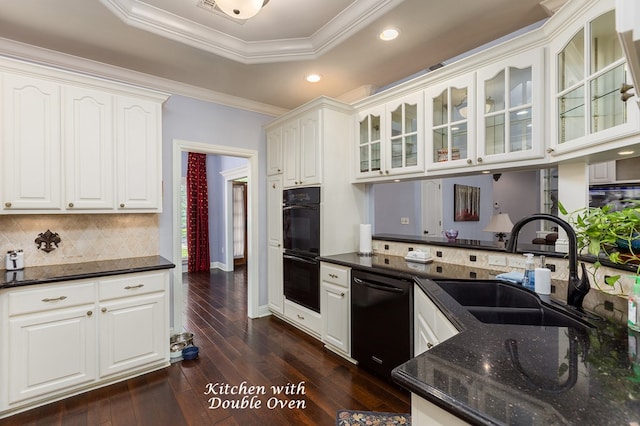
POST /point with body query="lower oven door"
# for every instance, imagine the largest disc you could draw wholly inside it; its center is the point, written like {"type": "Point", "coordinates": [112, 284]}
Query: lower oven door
{"type": "Point", "coordinates": [302, 280]}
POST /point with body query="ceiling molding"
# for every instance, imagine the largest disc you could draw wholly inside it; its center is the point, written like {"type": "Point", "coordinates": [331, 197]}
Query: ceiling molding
{"type": "Point", "coordinates": [33, 54]}
{"type": "Point", "coordinates": [160, 22]}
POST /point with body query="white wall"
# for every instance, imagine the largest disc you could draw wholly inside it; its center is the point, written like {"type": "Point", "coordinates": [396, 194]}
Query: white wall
{"type": "Point", "coordinates": [204, 122]}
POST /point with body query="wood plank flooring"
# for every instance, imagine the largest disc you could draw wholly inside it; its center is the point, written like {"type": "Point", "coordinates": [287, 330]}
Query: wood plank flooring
{"type": "Point", "coordinates": [233, 350]}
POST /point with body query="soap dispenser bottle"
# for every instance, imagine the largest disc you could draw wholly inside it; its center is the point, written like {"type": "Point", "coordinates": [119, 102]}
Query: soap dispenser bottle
{"type": "Point", "coordinates": [633, 314]}
{"type": "Point", "coordinates": [529, 272]}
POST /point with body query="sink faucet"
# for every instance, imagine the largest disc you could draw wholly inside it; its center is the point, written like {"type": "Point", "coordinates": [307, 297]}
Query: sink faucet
{"type": "Point", "coordinates": [577, 288]}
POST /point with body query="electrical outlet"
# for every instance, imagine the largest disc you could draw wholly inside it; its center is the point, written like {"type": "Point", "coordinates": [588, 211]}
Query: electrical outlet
{"type": "Point", "coordinates": [497, 260]}
{"type": "Point", "coordinates": [404, 220]}
{"type": "Point", "coordinates": [515, 262]}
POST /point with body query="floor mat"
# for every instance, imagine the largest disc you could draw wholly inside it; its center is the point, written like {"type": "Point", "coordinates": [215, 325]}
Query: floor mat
{"type": "Point", "coordinates": [371, 418]}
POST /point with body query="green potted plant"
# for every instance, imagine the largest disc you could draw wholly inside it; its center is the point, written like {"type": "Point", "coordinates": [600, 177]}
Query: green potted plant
{"type": "Point", "coordinates": [605, 231]}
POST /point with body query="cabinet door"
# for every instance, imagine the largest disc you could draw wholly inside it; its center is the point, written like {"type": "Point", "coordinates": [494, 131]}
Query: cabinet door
{"type": "Point", "coordinates": [424, 338]}
{"type": "Point", "coordinates": [51, 351]}
{"type": "Point", "coordinates": [369, 129]}
{"type": "Point", "coordinates": [274, 152]}
{"type": "Point", "coordinates": [133, 333]}
{"type": "Point", "coordinates": [138, 154]}
{"type": "Point", "coordinates": [89, 149]}
{"type": "Point", "coordinates": [291, 153]}
{"type": "Point", "coordinates": [275, 278]}
{"type": "Point", "coordinates": [404, 137]}
{"type": "Point", "coordinates": [31, 143]}
{"type": "Point", "coordinates": [274, 210]}
{"type": "Point", "coordinates": [336, 314]}
{"type": "Point", "coordinates": [310, 159]}
{"type": "Point", "coordinates": [509, 109]}
{"type": "Point", "coordinates": [450, 114]}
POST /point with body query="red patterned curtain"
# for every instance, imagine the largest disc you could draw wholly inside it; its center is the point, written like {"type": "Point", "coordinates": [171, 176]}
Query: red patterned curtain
{"type": "Point", "coordinates": [197, 213]}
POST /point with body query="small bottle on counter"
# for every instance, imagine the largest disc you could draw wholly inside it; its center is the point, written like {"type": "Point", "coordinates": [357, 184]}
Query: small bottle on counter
{"type": "Point", "coordinates": [633, 313]}
{"type": "Point", "coordinates": [542, 278]}
{"type": "Point", "coordinates": [529, 272]}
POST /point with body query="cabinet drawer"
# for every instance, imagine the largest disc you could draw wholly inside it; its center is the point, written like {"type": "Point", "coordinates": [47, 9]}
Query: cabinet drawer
{"type": "Point", "coordinates": [335, 274]}
{"type": "Point", "coordinates": [307, 319]}
{"type": "Point", "coordinates": [50, 296]}
{"type": "Point", "coordinates": [132, 285]}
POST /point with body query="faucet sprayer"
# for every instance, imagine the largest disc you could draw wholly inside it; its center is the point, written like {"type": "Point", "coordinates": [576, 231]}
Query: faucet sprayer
{"type": "Point", "coordinates": [577, 287]}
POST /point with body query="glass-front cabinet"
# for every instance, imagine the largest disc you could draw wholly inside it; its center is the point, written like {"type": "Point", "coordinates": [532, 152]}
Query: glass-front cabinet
{"type": "Point", "coordinates": [509, 109]}
{"type": "Point", "coordinates": [589, 71]}
{"type": "Point", "coordinates": [450, 112]}
{"type": "Point", "coordinates": [390, 138]}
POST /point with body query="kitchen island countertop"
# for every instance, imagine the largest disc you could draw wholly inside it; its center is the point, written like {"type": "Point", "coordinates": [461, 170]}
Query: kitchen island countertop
{"type": "Point", "coordinates": [33, 275]}
{"type": "Point", "coordinates": [494, 374]}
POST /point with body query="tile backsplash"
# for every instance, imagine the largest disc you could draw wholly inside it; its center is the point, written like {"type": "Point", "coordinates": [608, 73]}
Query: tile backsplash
{"type": "Point", "coordinates": [84, 238]}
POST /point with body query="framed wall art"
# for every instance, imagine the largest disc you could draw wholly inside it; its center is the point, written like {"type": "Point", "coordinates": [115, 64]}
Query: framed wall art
{"type": "Point", "coordinates": [466, 203]}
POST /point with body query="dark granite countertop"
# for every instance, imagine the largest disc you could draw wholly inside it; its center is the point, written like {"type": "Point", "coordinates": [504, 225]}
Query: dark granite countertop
{"type": "Point", "coordinates": [74, 271]}
{"type": "Point", "coordinates": [494, 374]}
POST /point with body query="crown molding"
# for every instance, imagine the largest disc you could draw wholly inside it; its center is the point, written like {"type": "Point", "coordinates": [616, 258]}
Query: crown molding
{"type": "Point", "coordinates": [160, 22]}
{"type": "Point", "coordinates": [75, 64]}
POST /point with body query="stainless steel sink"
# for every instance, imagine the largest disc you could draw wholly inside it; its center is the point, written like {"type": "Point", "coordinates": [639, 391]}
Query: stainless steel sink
{"type": "Point", "coordinates": [497, 302]}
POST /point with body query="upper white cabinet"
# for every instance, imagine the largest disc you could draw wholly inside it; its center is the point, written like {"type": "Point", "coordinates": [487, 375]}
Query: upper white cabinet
{"type": "Point", "coordinates": [588, 70]}
{"type": "Point", "coordinates": [31, 143]}
{"type": "Point", "coordinates": [391, 139]}
{"type": "Point", "coordinates": [274, 152]}
{"type": "Point", "coordinates": [301, 150]}
{"type": "Point", "coordinates": [488, 116]}
{"type": "Point", "coordinates": [75, 144]}
{"type": "Point", "coordinates": [628, 28]}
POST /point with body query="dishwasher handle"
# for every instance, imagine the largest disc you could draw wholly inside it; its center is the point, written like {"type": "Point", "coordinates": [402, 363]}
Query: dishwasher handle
{"type": "Point", "coordinates": [382, 287]}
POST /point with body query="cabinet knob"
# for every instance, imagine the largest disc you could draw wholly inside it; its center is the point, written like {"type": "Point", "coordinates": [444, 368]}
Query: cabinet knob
{"type": "Point", "coordinates": [469, 161]}
{"type": "Point", "coordinates": [381, 172]}
{"type": "Point", "coordinates": [71, 205]}
{"type": "Point", "coordinates": [273, 186]}
{"type": "Point", "coordinates": [429, 345]}
{"type": "Point", "coordinates": [103, 310]}
{"type": "Point", "coordinates": [89, 313]}
{"type": "Point", "coordinates": [121, 205]}
{"type": "Point", "coordinates": [479, 159]}
{"type": "Point", "coordinates": [550, 150]}
{"type": "Point", "coordinates": [7, 204]}
{"type": "Point", "coordinates": [279, 170]}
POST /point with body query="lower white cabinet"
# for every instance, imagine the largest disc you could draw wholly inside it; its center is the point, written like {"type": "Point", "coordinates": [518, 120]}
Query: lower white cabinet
{"type": "Point", "coordinates": [64, 338]}
{"type": "Point", "coordinates": [430, 325]}
{"type": "Point", "coordinates": [335, 305]}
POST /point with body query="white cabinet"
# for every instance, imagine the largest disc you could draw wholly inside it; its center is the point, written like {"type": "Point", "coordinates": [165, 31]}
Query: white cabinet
{"type": "Point", "coordinates": [430, 325]}
{"type": "Point", "coordinates": [75, 144]}
{"type": "Point", "coordinates": [493, 115]}
{"type": "Point", "coordinates": [602, 173]}
{"type": "Point", "coordinates": [274, 253]}
{"type": "Point", "coordinates": [391, 138]}
{"type": "Point", "coordinates": [301, 150]}
{"type": "Point", "coordinates": [139, 169]}
{"type": "Point", "coordinates": [72, 336]}
{"type": "Point", "coordinates": [88, 149]}
{"type": "Point", "coordinates": [31, 143]}
{"type": "Point", "coordinates": [587, 71]}
{"type": "Point", "coordinates": [274, 152]}
{"type": "Point", "coordinates": [335, 305]}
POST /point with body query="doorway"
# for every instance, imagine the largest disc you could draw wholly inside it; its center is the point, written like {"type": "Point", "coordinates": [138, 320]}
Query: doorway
{"type": "Point", "coordinates": [252, 218]}
{"type": "Point", "coordinates": [239, 224]}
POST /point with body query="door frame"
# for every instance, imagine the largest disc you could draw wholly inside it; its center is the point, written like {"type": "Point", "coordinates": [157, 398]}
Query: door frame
{"type": "Point", "coordinates": [180, 146]}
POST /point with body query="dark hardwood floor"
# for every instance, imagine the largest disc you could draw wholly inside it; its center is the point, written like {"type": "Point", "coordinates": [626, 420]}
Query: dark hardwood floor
{"type": "Point", "coordinates": [234, 350]}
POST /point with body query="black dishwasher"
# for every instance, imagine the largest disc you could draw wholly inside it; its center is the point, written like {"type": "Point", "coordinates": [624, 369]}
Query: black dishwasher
{"type": "Point", "coordinates": [381, 321]}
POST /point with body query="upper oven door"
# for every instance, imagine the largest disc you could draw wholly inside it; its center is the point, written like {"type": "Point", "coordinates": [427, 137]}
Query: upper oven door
{"type": "Point", "coordinates": [301, 228]}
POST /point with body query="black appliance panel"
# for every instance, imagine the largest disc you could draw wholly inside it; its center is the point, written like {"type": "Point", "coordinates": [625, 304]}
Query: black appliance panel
{"type": "Point", "coordinates": [301, 220]}
{"type": "Point", "coordinates": [302, 280]}
{"type": "Point", "coordinates": [381, 321]}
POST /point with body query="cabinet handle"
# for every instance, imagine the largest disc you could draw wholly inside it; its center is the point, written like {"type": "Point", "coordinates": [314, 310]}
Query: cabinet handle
{"type": "Point", "coordinates": [550, 150]}
{"type": "Point", "coordinates": [333, 275]}
{"type": "Point", "coordinates": [381, 172]}
{"type": "Point", "coordinates": [279, 170]}
{"type": "Point", "coordinates": [70, 204]}
{"type": "Point", "coordinates": [103, 310]}
{"type": "Point", "coordinates": [273, 186]}
{"type": "Point", "coordinates": [300, 317]}
{"type": "Point", "coordinates": [89, 313]}
{"type": "Point", "coordinates": [7, 204]}
{"type": "Point", "coordinates": [132, 287]}
{"type": "Point", "coordinates": [469, 161]}
{"type": "Point", "coordinates": [429, 345]}
{"type": "Point", "coordinates": [57, 299]}
{"type": "Point", "coordinates": [386, 172]}
{"type": "Point", "coordinates": [479, 159]}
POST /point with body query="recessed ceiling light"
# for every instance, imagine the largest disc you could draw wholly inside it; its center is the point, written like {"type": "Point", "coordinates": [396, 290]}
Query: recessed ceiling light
{"type": "Point", "coordinates": [388, 34]}
{"type": "Point", "coordinates": [486, 172]}
{"type": "Point", "coordinates": [625, 152]}
{"type": "Point", "coordinates": [313, 78]}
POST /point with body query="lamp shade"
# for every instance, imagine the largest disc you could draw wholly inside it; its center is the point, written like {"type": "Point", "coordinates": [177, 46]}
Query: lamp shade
{"type": "Point", "coordinates": [500, 223]}
{"type": "Point", "coordinates": [240, 9]}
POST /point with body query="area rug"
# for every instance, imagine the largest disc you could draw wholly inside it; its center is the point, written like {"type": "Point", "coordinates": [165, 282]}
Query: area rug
{"type": "Point", "coordinates": [371, 418]}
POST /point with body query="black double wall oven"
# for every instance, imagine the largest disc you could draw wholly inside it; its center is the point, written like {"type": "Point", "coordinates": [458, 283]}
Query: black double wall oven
{"type": "Point", "coordinates": [301, 237]}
